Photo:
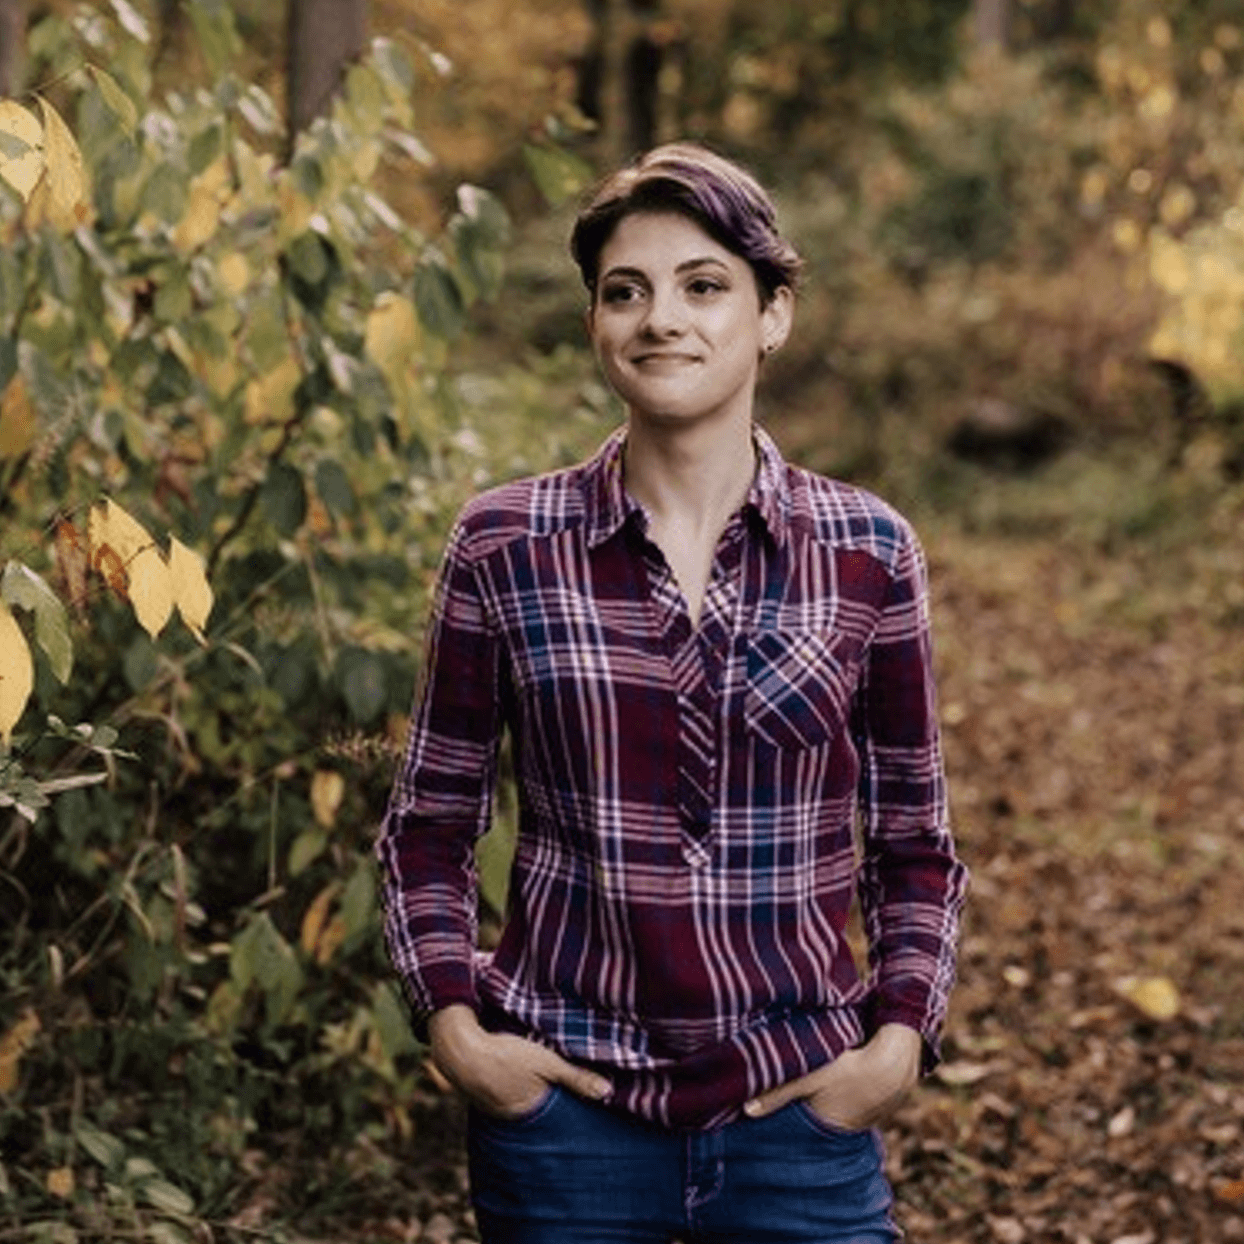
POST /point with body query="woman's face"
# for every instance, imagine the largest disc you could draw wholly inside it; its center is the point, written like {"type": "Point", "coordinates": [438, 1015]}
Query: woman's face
{"type": "Point", "coordinates": [677, 321]}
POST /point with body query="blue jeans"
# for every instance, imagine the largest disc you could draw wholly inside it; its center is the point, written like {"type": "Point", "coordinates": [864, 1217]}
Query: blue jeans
{"type": "Point", "coordinates": [573, 1172]}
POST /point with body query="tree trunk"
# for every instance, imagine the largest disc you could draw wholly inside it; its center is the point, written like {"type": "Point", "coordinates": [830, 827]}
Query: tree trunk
{"type": "Point", "coordinates": [324, 37]}
{"type": "Point", "coordinates": [993, 23]}
{"type": "Point", "coordinates": [619, 77]}
{"type": "Point", "coordinates": [12, 47]}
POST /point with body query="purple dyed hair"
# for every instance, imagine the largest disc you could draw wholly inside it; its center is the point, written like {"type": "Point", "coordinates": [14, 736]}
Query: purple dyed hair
{"type": "Point", "coordinates": [726, 201]}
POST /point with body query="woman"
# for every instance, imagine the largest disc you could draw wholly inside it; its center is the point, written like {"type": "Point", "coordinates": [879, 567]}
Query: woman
{"type": "Point", "coordinates": [713, 666]}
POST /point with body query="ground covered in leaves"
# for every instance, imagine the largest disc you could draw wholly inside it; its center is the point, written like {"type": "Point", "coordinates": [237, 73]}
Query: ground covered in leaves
{"type": "Point", "coordinates": [1091, 652]}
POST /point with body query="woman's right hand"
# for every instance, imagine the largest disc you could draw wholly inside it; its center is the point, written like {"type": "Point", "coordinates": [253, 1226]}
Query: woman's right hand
{"type": "Point", "coordinates": [504, 1075]}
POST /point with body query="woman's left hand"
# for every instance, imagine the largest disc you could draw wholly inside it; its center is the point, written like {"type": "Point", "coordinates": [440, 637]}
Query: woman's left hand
{"type": "Point", "coordinates": [860, 1088]}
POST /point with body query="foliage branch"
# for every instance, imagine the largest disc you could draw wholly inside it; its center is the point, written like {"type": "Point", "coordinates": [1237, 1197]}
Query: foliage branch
{"type": "Point", "coordinates": [253, 361]}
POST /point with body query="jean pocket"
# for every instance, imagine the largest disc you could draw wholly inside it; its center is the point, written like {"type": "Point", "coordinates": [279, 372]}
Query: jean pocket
{"type": "Point", "coordinates": [532, 1115]}
{"type": "Point", "coordinates": [822, 1126]}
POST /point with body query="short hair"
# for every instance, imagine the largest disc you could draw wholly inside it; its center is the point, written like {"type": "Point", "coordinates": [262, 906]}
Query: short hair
{"type": "Point", "coordinates": [725, 200]}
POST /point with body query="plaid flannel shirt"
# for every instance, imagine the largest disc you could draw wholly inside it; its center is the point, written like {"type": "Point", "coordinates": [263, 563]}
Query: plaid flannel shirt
{"type": "Point", "coordinates": [698, 804]}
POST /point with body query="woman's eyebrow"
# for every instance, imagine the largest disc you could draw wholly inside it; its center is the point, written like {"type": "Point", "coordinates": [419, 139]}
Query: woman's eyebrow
{"type": "Point", "coordinates": [687, 265]}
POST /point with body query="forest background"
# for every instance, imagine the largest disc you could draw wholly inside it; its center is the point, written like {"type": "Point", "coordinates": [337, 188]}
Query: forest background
{"type": "Point", "coordinates": [252, 361]}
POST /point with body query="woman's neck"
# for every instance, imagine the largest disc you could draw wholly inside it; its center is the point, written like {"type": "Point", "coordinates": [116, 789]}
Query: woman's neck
{"type": "Point", "coordinates": [691, 477]}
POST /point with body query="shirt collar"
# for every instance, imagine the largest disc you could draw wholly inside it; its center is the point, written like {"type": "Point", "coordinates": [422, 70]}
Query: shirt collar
{"type": "Point", "coordinates": [609, 506]}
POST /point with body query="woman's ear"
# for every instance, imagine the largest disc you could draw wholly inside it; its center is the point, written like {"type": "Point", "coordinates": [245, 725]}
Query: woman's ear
{"type": "Point", "coordinates": [777, 318]}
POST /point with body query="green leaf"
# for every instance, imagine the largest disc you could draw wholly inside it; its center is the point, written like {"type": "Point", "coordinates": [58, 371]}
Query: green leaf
{"type": "Point", "coordinates": [284, 498]}
{"type": "Point", "coordinates": [174, 301]}
{"type": "Point", "coordinates": [165, 193]}
{"type": "Point", "coordinates": [558, 174]}
{"type": "Point", "coordinates": [105, 1148]}
{"type": "Point", "coordinates": [164, 1232]}
{"type": "Point", "coordinates": [480, 260]}
{"type": "Point", "coordinates": [166, 1197]}
{"type": "Point", "coordinates": [205, 146]}
{"type": "Point", "coordinates": [60, 268]}
{"type": "Point", "coordinates": [119, 103]}
{"type": "Point", "coordinates": [366, 95]}
{"type": "Point", "coordinates": [333, 486]}
{"type": "Point", "coordinates": [307, 258]}
{"type": "Point", "coordinates": [488, 214]}
{"type": "Point", "coordinates": [140, 663]}
{"type": "Point", "coordinates": [358, 902]}
{"type": "Point", "coordinates": [364, 683]}
{"type": "Point", "coordinates": [22, 587]}
{"type": "Point", "coordinates": [217, 33]}
{"type": "Point", "coordinates": [389, 1017]}
{"type": "Point", "coordinates": [49, 387]}
{"type": "Point", "coordinates": [261, 955]}
{"type": "Point", "coordinates": [394, 67]}
{"type": "Point", "coordinates": [267, 338]}
{"type": "Point", "coordinates": [438, 299]}
{"type": "Point", "coordinates": [306, 849]}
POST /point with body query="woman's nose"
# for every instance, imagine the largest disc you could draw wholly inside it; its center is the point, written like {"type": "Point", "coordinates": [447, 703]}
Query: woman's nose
{"type": "Point", "coordinates": [665, 315]}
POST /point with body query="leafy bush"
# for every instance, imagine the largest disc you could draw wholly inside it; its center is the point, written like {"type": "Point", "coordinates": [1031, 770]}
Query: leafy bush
{"type": "Point", "coordinates": [247, 367]}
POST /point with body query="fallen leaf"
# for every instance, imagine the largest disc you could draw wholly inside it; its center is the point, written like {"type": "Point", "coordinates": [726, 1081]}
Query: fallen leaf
{"type": "Point", "coordinates": [961, 1074]}
{"type": "Point", "coordinates": [1008, 1230]}
{"type": "Point", "coordinates": [1155, 997]}
{"type": "Point", "coordinates": [1122, 1123]}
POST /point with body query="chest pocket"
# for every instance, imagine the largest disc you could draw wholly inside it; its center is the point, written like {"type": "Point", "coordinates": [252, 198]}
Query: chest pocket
{"type": "Point", "coordinates": [799, 687]}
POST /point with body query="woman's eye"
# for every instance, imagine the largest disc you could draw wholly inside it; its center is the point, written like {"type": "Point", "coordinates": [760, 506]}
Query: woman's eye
{"type": "Point", "coordinates": [619, 293]}
{"type": "Point", "coordinates": [704, 286]}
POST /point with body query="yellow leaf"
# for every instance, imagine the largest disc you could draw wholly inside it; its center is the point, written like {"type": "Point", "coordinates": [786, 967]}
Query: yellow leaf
{"type": "Point", "coordinates": [113, 527]}
{"type": "Point", "coordinates": [37, 202]}
{"type": "Point", "coordinates": [198, 226]}
{"type": "Point", "coordinates": [316, 916]}
{"type": "Point", "coordinates": [1155, 997]}
{"type": "Point", "coordinates": [151, 590]}
{"type": "Point", "coordinates": [61, 1182]}
{"type": "Point", "coordinates": [17, 420]}
{"type": "Point", "coordinates": [270, 398]}
{"type": "Point", "coordinates": [192, 594]}
{"type": "Point", "coordinates": [392, 334]}
{"type": "Point", "coordinates": [208, 193]}
{"type": "Point", "coordinates": [17, 672]}
{"type": "Point", "coordinates": [328, 788]}
{"type": "Point", "coordinates": [13, 1046]}
{"type": "Point", "coordinates": [69, 197]}
{"type": "Point", "coordinates": [234, 273]}
{"type": "Point", "coordinates": [296, 210]}
{"type": "Point", "coordinates": [330, 940]}
{"type": "Point", "coordinates": [23, 171]}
